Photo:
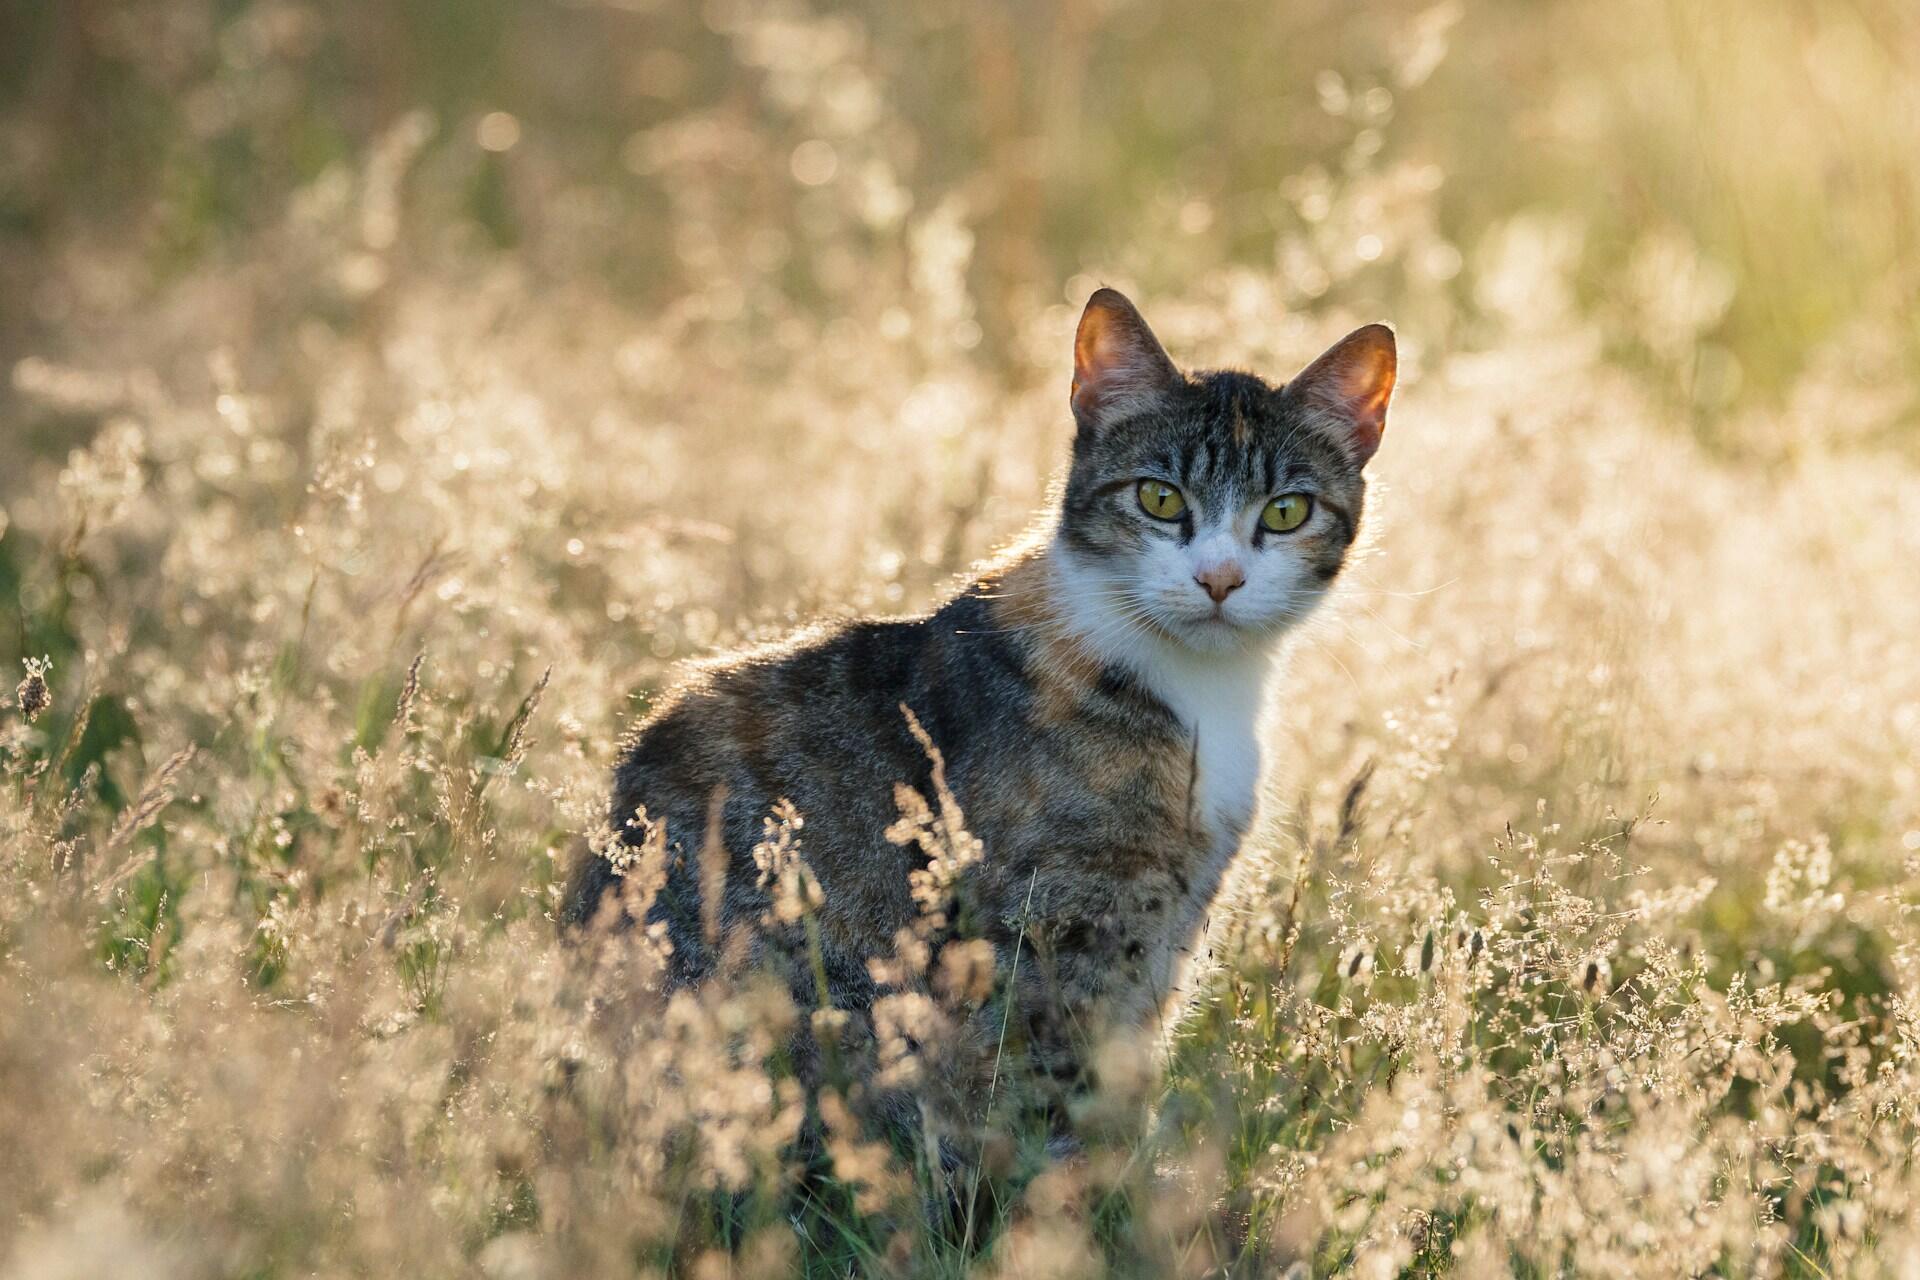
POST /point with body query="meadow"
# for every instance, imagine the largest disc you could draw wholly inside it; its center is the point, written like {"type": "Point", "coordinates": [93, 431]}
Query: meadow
{"type": "Point", "coordinates": [391, 396]}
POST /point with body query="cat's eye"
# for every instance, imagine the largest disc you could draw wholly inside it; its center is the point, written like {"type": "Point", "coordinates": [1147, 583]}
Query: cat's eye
{"type": "Point", "coordinates": [1161, 500]}
{"type": "Point", "coordinates": [1286, 513]}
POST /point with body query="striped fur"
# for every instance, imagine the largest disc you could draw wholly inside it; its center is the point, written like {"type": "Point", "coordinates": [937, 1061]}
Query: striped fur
{"type": "Point", "coordinates": [1094, 707]}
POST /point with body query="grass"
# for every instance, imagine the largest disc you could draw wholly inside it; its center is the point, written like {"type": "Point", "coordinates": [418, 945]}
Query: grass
{"type": "Point", "coordinates": [364, 483]}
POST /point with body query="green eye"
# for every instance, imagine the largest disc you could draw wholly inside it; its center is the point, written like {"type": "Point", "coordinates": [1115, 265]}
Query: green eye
{"type": "Point", "coordinates": [1161, 500]}
{"type": "Point", "coordinates": [1286, 513]}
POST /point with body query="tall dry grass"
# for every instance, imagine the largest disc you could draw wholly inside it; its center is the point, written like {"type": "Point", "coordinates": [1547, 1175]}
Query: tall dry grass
{"type": "Point", "coordinates": [342, 532]}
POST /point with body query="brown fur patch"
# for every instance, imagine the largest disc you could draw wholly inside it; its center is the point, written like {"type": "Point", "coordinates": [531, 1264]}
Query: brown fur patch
{"type": "Point", "coordinates": [1078, 782]}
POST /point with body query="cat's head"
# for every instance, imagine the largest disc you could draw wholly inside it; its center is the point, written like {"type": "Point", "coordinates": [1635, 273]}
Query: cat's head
{"type": "Point", "coordinates": [1215, 509]}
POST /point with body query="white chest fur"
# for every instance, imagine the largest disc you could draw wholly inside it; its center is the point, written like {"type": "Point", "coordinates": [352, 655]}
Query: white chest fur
{"type": "Point", "coordinates": [1219, 699]}
{"type": "Point", "coordinates": [1217, 696]}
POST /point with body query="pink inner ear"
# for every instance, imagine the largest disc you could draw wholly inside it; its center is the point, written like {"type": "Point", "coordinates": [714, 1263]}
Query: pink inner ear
{"type": "Point", "coordinates": [1100, 360]}
{"type": "Point", "coordinates": [1372, 389]}
{"type": "Point", "coordinates": [1355, 379]}
{"type": "Point", "coordinates": [1115, 355]}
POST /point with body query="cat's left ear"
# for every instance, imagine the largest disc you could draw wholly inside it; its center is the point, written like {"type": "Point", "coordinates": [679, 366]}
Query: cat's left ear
{"type": "Point", "coordinates": [1353, 381]}
{"type": "Point", "coordinates": [1117, 362]}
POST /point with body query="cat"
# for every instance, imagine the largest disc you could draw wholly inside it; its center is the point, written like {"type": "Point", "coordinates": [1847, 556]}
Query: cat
{"type": "Point", "coordinates": [1090, 703]}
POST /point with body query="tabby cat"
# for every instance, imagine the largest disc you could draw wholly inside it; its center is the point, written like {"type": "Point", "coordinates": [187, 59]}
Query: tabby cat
{"type": "Point", "coordinates": [1092, 702]}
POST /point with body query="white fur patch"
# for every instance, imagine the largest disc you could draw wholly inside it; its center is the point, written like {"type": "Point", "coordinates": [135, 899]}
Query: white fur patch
{"type": "Point", "coordinates": [1219, 698]}
{"type": "Point", "coordinates": [1217, 695]}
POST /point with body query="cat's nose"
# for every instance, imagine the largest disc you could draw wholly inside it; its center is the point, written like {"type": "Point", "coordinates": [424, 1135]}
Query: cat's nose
{"type": "Point", "coordinates": [1221, 581]}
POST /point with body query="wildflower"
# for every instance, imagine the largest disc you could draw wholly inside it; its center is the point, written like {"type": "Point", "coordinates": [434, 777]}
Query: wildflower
{"type": "Point", "coordinates": [1357, 967]}
{"type": "Point", "coordinates": [966, 972]}
{"type": "Point", "coordinates": [32, 693]}
{"type": "Point", "coordinates": [1596, 977]}
{"type": "Point", "coordinates": [403, 710]}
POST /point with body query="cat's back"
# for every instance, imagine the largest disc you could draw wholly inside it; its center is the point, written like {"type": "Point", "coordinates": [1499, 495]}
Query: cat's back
{"type": "Point", "coordinates": [818, 720]}
{"type": "Point", "coordinates": [832, 699]}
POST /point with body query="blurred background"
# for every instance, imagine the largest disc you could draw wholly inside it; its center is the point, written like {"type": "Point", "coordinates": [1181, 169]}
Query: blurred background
{"type": "Point", "coordinates": [1726, 191]}
{"type": "Point", "coordinates": [392, 394]}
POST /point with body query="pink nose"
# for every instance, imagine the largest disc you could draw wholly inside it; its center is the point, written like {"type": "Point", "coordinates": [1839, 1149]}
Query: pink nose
{"type": "Point", "coordinates": [1221, 581]}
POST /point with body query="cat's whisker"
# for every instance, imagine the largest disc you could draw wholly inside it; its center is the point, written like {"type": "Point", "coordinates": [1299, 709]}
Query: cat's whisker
{"type": "Point", "coordinates": [1368, 589]}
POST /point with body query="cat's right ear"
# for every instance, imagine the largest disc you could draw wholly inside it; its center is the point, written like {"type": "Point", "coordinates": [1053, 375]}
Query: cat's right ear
{"type": "Point", "coordinates": [1118, 364]}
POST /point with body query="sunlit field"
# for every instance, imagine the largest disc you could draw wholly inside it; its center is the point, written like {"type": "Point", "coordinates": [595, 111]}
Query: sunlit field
{"type": "Point", "coordinates": [391, 396]}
